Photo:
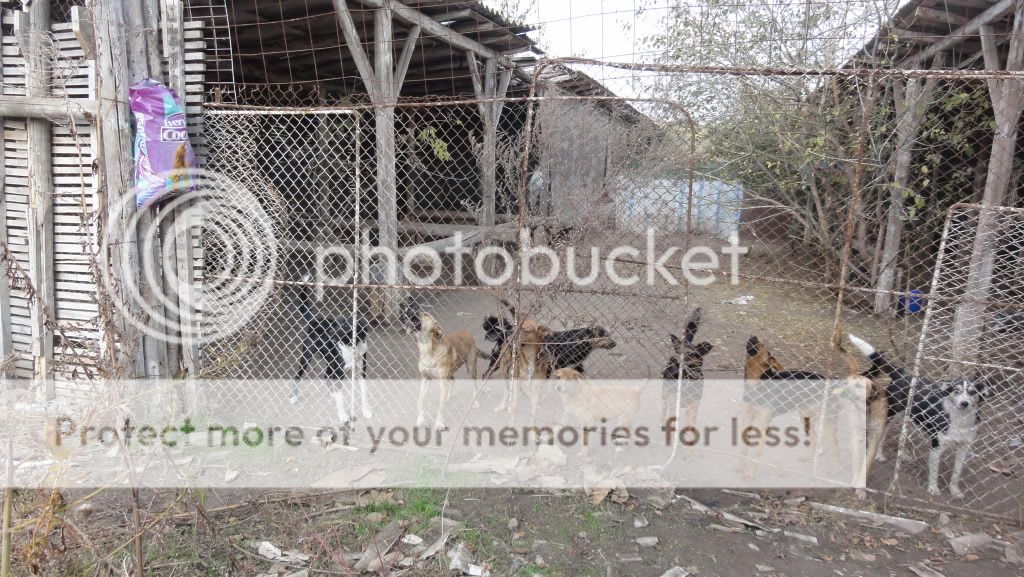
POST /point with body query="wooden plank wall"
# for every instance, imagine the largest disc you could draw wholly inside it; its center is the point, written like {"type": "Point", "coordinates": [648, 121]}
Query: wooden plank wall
{"type": "Point", "coordinates": [74, 205]}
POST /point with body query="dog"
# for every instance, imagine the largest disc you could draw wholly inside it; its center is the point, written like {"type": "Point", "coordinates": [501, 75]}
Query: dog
{"type": "Point", "coordinates": [683, 376]}
{"type": "Point", "coordinates": [770, 390]}
{"type": "Point", "coordinates": [440, 355]}
{"type": "Point", "coordinates": [343, 342]}
{"type": "Point", "coordinates": [497, 331]}
{"type": "Point", "coordinates": [948, 412]}
{"type": "Point", "coordinates": [608, 406]}
{"type": "Point", "coordinates": [524, 359]}
{"type": "Point", "coordinates": [570, 348]}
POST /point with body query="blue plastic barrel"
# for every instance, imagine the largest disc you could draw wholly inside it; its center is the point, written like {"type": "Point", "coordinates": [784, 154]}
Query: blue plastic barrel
{"type": "Point", "coordinates": [912, 302]}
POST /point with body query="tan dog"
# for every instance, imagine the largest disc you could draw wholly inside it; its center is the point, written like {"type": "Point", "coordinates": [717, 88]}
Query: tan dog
{"type": "Point", "coordinates": [524, 358]}
{"type": "Point", "coordinates": [617, 403]}
{"type": "Point", "coordinates": [440, 355]}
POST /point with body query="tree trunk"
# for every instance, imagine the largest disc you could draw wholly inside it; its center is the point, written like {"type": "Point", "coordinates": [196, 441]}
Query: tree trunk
{"type": "Point", "coordinates": [911, 103]}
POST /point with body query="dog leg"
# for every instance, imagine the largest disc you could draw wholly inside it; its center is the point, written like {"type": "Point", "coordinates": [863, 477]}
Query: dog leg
{"type": "Point", "coordinates": [875, 433]}
{"type": "Point", "coordinates": [505, 395]}
{"type": "Point", "coordinates": [420, 419]}
{"type": "Point", "coordinates": [762, 418]}
{"type": "Point", "coordinates": [690, 420]}
{"type": "Point", "coordinates": [513, 403]}
{"type": "Point", "coordinates": [746, 419]}
{"type": "Point", "coordinates": [361, 366]}
{"type": "Point", "coordinates": [503, 406]}
{"type": "Point", "coordinates": [934, 458]}
{"type": "Point", "coordinates": [962, 452]}
{"type": "Point", "coordinates": [340, 406]}
{"type": "Point", "coordinates": [446, 387]}
{"type": "Point", "coordinates": [535, 391]}
{"type": "Point", "coordinates": [304, 360]}
{"type": "Point", "coordinates": [880, 451]}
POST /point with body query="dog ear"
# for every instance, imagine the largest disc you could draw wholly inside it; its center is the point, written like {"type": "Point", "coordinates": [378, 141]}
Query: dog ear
{"type": "Point", "coordinates": [980, 387]}
{"type": "Point", "coordinates": [677, 343]}
{"type": "Point", "coordinates": [704, 348]}
{"type": "Point", "coordinates": [752, 344]}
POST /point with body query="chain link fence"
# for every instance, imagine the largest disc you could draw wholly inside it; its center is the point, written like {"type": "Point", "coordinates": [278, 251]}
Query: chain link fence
{"type": "Point", "coordinates": [840, 207]}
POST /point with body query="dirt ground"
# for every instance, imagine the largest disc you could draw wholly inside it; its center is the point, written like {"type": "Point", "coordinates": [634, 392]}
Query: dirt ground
{"type": "Point", "coordinates": [553, 534]}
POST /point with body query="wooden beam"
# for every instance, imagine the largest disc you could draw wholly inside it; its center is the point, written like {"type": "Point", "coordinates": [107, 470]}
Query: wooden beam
{"type": "Point", "coordinates": [355, 48]}
{"type": "Point", "coordinates": [912, 36]}
{"type": "Point", "coordinates": [40, 197]}
{"type": "Point", "coordinates": [454, 15]}
{"type": "Point", "coordinates": [941, 16]}
{"type": "Point", "coordinates": [81, 25]}
{"type": "Point", "coordinates": [474, 74]}
{"type": "Point", "coordinates": [406, 57]}
{"type": "Point", "coordinates": [171, 18]}
{"type": "Point", "coordinates": [437, 30]}
{"type": "Point", "coordinates": [990, 52]}
{"type": "Point", "coordinates": [959, 35]}
{"type": "Point", "coordinates": [47, 108]}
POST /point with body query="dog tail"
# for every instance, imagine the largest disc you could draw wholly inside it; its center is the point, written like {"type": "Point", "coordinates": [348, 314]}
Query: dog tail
{"type": "Point", "coordinates": [692, 324]}
{"type": "Point", "coordinates": [482, 354]}
{"type": "Point", "coordinates": [303, 296]}
{"type": "Point", "coordinates": [879, 364]}
{"type": "Point", "coordinates": [509, 306]}
{"type": "Point", "coordinates": [866, 349]}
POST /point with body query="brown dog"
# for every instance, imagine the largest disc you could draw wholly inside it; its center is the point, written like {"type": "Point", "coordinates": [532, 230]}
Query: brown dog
{"type": "Point", "coordinates": [524, 358]}
{"type": "Point", "coordinates": [770, 390]}
{"type": "Point", "coordinates": [440, 355]}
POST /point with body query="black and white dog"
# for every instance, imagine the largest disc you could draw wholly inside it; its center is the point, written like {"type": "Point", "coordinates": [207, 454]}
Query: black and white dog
{"type": "Point", "coordinates": [947, 411]}
{"type": "Point", "coordinates": [342, 343]}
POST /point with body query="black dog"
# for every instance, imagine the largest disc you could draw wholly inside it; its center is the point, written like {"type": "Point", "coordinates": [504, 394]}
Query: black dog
{"type": "Point", "coordinates": [568, 349]}
{"type": "Point", "coordinates": [688, 362]}
{"type": "Point", "coordinates": [683, 376]}
{"type": "Point", "coordinates": [340, 341]}
{"type": "Point", "coordinates": [497, 330]}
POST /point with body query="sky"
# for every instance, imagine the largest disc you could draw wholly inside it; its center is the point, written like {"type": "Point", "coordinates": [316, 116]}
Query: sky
{"type": "Point", "coordinates": [611, 30]}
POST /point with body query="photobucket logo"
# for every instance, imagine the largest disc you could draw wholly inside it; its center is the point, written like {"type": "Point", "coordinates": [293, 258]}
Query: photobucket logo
{"type": "Point", "coordinates": [531, 265]}
{"type": "Point", "coordinates": [239, 257]}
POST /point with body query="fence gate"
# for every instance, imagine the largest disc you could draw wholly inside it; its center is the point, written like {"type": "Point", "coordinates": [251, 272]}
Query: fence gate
{"type": "Point", "coordinates": [314, 171]}
{"type": "Point", "coordinates": [973, 328]}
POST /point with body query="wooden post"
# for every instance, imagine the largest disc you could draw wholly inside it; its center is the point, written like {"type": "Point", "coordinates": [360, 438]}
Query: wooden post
{"type": "Point", "coordinates": [384, 112]}
{"type": "Point", "coordinates": [114, 160]}
{"type": "Point", "coordinates": [490, 91]}
{"type": "Point", "coordinates": [1007, 103]}
{"type": "Point", "coordinates": [156, 350]}
{"type": "Point", "coordinates": [383, 83]}
{"type": "Point", "coordinates": [171, 17]}
{"type": "Point", "coordinates": [911, 104]}
{"type": "Point", "coordinates": [40, 180]}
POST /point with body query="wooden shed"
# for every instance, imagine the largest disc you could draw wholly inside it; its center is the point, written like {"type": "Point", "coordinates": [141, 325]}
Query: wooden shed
{"type": "Point", "coordinates": [270, 86]}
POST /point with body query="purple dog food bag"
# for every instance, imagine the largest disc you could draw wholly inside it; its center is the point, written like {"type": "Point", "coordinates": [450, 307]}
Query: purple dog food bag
{"type": "Point", "coordinates": [161, 142]}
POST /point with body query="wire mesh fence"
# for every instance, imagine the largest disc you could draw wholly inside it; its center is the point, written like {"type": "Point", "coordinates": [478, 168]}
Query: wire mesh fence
{"type": "Point", "coordinates": [841, 211]}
